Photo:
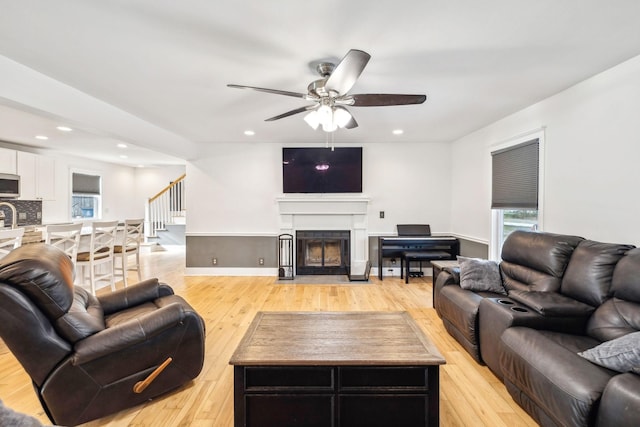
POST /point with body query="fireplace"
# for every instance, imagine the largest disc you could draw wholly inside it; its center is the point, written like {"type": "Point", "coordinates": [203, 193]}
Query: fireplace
{"type": "Point", "coordinates": [322, 252]}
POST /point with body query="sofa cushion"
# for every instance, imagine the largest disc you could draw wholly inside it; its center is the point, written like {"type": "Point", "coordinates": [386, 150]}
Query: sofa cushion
{"type": "Point", "coordinates": [625, 283]}
{"type": "Point", "coordinates": [588, 276]}
{"type": "Point", "coordinates": [480, 275]}
{"type": "Point", "coordinates": [536, 261]}
{"type": "Point", "coordinates": [621, 354]}
{"type": "Point", "coordinates": [85, 317]}
{"type": "Point", "coordinates": [613, 319]}
{"type": "Point", "coordinates": [620, 315]}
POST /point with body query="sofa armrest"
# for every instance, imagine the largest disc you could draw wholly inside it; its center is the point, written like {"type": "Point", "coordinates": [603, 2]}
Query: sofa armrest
{"type": "Point", "coordinates": [454, 272]}
{"type": "Point", "coordinates": [620, 402]}
{"type": "Point", "coordinates": [139, 293]}
{"type": "Point", "coordinates": [552, 304]}
{"type": "Point", "coordinates": [129, 333]}
{"type": "Point", "coordinates": [447, 276]}
{"type": "Point", "coordinates": [499, 314]}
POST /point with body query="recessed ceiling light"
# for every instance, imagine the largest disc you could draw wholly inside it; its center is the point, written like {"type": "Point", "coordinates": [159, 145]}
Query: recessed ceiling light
{"type": "Point", "coordinates": [249, 132]}
{"type": "Point", "coordinates": [398, 132]}
{"type": "Point", "coordinates": [121, 145]}
{"type": "Point", "coordinates": [42, 137]}
{"type": "Point", "coordinates": [64, 128]}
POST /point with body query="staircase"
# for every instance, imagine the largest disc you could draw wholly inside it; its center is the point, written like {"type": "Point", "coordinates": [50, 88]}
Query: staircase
{"type": "Point", "coordinates": [165, 215]}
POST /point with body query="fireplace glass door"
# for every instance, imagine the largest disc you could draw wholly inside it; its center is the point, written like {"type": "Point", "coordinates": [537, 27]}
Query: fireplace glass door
{"type": "Point", "coordinates": [322, 252]}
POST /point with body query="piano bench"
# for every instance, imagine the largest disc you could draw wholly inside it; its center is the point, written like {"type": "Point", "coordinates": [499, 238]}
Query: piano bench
{"type": "Point", "coordinates": [409, 256]}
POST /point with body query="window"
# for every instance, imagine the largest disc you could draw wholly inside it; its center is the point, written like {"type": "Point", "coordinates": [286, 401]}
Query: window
{"type": "Point", "coordinates": [515, 188]}
{"type": "Point", "coordinates": [86, 196]}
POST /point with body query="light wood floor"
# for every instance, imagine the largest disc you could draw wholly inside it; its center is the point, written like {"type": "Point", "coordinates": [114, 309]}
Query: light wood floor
{"type": "Point", "coordinates": [469, 396]}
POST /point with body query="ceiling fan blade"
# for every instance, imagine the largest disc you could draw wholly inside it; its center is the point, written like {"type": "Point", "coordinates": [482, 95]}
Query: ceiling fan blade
{"type": "Point", "coordinates": [347, 71]}
{"type": "Point", "coordinates": [291, 113]}
{"type": "Point", "coordinates": [274, 91]}
{"type": "Point", "coordinates": [352, 123]}
{"type": "Point", "coordinates": [382, 99]}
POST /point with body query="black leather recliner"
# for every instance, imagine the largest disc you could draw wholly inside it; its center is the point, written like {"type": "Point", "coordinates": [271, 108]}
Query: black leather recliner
{"type": "Point", "coordinates": [90, 356]}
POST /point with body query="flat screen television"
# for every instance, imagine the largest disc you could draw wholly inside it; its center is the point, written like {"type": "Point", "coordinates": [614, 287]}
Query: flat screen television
{"type": "Point", "coordinates": [322, 170]}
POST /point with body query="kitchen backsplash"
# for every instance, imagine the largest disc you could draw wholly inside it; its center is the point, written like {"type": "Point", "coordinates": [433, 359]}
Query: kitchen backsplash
{"type": "Point", "coordinates": [29, 212]}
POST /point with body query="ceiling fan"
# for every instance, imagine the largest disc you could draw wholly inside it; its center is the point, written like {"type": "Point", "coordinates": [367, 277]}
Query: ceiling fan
{"type": "Point", "coordinates": [330, 96]}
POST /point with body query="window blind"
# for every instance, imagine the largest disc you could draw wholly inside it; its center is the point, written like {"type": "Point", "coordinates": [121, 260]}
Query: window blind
{"type": "Point", "coordinates": [85, 184]}
{"type": "Point", "coordinates": [515, 176]}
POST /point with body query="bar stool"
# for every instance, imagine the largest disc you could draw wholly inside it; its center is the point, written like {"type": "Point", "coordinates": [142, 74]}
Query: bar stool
{"type": "Point", "coordinates": [129, 245]}
{"type": "Point", "coordinates": [65, 237]}
{"type": "Point", "coordinates": [99, 255]}
{"type": "Point", "coordinates": [10, 239]}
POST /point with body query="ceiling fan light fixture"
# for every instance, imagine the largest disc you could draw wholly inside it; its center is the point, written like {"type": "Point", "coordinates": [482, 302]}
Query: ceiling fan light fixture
{"type": "Point", "coordinates": [329, 127]}
{"type": "Point", "coordinates": [325, 114]}
{"type": "Point", "coordinates": [312, 119]}
{"type": "Point", "coordinates": [341, 117]}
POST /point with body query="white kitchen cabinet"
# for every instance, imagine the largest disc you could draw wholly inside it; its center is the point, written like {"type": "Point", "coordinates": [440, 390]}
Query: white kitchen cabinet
{"type": "Point", "coordinates": [45, 178]}
{"type": "Point", "coordinates": [8, 160]}
{"type": "Point", "coordinates": [37, 176]}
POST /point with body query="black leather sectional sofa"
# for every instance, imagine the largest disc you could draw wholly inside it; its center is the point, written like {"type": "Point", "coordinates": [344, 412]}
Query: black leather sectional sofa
{"type": "Point", "coordinates": [560, 329]}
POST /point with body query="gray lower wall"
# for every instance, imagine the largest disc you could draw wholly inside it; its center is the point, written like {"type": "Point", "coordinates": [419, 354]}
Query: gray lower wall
{"type": "Point", "coordinates": [245, 251]}
{"type": "Point", "coordinates": [231, 251]}
{"type": "Point", "coordinates": [472, 249]}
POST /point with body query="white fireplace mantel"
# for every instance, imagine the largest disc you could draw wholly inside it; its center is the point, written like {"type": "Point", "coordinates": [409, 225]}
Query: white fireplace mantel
{"type": "Point", "coordinates": [329, 213]}
{"type": "Point", "coordinates": [323, 205]}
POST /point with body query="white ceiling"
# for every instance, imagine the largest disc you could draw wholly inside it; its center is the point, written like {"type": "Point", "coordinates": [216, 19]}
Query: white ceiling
{"type": "Point", "coordinates": [153, 73]}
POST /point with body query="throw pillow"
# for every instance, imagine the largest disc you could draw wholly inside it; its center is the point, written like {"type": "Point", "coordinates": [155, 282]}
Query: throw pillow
{"type": "Point", "coordinates": [480, 275]}
{"type": "Point", "coordinates": [621, 354]}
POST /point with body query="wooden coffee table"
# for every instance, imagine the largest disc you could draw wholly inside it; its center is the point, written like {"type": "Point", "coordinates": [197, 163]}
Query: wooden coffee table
{"type": "Point", "coordinates": [336, 369]}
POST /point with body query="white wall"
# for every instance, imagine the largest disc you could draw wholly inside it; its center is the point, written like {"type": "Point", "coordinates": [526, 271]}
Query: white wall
{"type": "Point", "coordinates": [125, 189]}
{"type": "Point", "coordinates": [151, 180]}
{"type": "Point", "coordinates": [592, 152]}
{"type": "Point", "coordinates": [233, 189]}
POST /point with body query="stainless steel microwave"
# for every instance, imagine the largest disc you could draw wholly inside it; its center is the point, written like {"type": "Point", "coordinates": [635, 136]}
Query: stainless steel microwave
{"type": "Point", "coordinates": [9, 186]}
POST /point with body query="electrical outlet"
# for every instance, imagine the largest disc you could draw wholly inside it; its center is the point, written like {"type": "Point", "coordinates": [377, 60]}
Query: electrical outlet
{"type": "Point", "coordinates": [381, 214]}
{"type": "Point", "coordinates": [261, 261]}
{"type": "Point", "coordinates": [214, 261]}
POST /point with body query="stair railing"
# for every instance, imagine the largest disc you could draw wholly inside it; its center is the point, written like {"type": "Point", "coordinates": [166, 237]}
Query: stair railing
{"type": "Point", "coordinates": [165, 207]}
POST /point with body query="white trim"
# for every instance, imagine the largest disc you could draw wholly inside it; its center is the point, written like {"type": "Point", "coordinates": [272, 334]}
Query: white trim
{"type": "Point", "coordinates": [470, 238]}
{"type": "Point", "coordinates": [539, 133]}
